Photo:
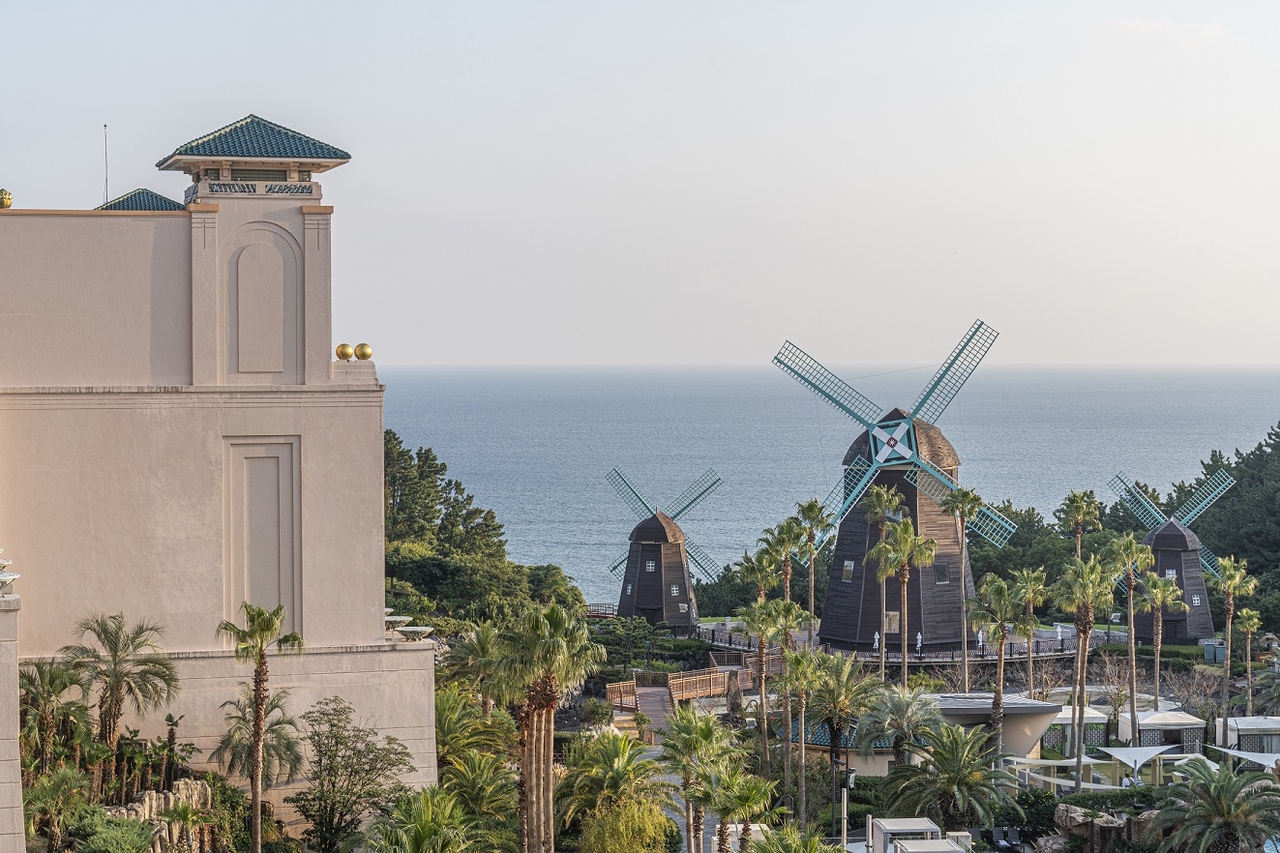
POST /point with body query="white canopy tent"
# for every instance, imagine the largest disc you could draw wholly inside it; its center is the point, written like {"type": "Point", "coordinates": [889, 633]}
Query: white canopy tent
{"type": "Point", "coordinates": [1134, 757]}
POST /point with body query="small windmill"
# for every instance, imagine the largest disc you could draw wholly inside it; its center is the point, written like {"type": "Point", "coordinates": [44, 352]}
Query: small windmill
{"type": "Point", "coordinates": [656, 582]}
{"type": "Point", "coordinates": [903, 449]}
{"type": "Point", "coordinates": [1179, 554]}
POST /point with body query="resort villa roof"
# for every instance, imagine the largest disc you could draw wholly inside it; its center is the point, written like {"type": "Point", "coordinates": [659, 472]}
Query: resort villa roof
{"type": "Point", "coordinates": [1254, 724]}
{"type": "Point", "coordinates": [255, 138]}
{"type": "Point", "coordinates": [1091, 715]}
{"type": "Point", "coordinates": [960, 704]}
{"type": "Point", "coordinates": [1165, 720]}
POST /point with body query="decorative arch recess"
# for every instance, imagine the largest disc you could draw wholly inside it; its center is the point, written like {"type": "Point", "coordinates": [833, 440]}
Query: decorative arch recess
{"type": "Point", "coordinates": [260, 306]}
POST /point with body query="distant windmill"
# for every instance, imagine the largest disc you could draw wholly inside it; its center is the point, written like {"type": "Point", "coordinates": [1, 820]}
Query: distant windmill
{"type": "Point", "coordinates": [906, 450]}
{"type": "Point", "coordinates": [1179, 554]}
{"type": "Point", "coordinates": [656, 582]}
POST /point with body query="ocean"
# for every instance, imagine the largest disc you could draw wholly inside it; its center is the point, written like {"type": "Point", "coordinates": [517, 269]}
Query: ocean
{"type": "Point", "coordinates": [535, 444]}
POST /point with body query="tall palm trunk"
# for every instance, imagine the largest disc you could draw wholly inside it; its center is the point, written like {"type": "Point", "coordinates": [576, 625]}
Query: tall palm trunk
{"type": "Point", "coordinates": [763, 706]}
{"type": "Point", "coordinates": [964, 610]}
{"type": "Point", "coordinates": [1133, 662]}
{"type": "Point", "coordinates": [1084, 627]}
{"type": "Point", "coordinates": [786, 719]}
{"type": "Point", "coordinates": [699, 822]}
{"type": "Point", "coordinates": [786, 578]}
{"type": "Point", "coordinates": [837, 735]}
{"type": "Point", "coordinates": [722, 836]}
{"type": "Point", "coordinates": [1031, 667]}
{"type": "Point", "coordinates": [997, 699]}
{"type": "Point", "coordinates": [813, 556]}
{"type": "Point", "coordinates": [1248, 676]}
{"type": "Point", "coordinates": [1157, 620]}
{"type": "Point", "coordinates": [884, 639]}
{"type": "Point", "coordinates": [904, 575]}
{"type": "Point", "coordinates": [744, 836]}
{"type": "Point", "coordinates": [524, 807]}
{"type": "Point", "coordinates": [255, 763]}
{"type": "Point", "coordinates": [686, 780]}
{"type": "Point", "coordinates": [801, 701]}
{"type": "Point", "coordinates": [1230, 608]}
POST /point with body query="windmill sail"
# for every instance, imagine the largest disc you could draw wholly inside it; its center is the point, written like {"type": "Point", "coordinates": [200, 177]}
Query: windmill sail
{"type": "Point", "coordinates": [1210, 490]}
{"type": "Point", "coordinates": [827, 385]}
{"type": "Point", "coordinates": [695, 494]}
{"type": "Point", "coordinates": [955, 371]}
{"type": "Point", "coordinates": [705, 562]}
{"type": "Point", "coordinates": [988, 523]}
{"type": "Point", "coordinates": [632, 498]}
{"type": "Point", "coordinates": [1138, 503]}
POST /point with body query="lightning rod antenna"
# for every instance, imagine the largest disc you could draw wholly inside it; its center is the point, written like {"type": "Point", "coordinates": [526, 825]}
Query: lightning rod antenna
{"type": "Point", "coordinates": [106, 169]}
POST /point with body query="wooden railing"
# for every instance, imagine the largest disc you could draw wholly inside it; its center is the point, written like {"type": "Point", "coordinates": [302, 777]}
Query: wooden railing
{"type": "Point", "coordinates": [651, 679]}
{"type": "Point", "coordinates": [622, 695]}
{"type": "Point", "coordinates": [600, 610]}
{"type": "Point", "coordinates": [698, 684]}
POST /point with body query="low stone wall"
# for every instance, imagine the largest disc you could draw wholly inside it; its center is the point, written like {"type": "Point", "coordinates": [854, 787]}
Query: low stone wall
{"type": "Point", "coordinates": [151, 804]}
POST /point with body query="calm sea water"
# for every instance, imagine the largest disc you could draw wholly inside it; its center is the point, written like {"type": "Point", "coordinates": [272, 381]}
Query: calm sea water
{"type": "Point", "coordinates": [535, 444]}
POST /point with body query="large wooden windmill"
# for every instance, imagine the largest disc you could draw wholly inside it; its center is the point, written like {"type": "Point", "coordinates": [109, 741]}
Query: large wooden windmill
{"type": "Point", "coordinates": [1179, 555]}
{"type": "Point", "coordinates": [656, 582]}
{"type": "Point", "coordinates": [904, 449]}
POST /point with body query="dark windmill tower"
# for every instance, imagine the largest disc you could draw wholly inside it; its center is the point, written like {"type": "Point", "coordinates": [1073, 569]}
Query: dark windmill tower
{"type": "Point", "coordinates": [1179, 555]}
{"type": "Point", "coordinates": [656, 582]}
{"type": "Point", "coordinates": [904, 449]}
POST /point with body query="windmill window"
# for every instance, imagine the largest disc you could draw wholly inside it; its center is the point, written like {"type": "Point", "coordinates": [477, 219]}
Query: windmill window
{"type": "Point", "coordinates": [628, 589]}
{"type": "Point", "coordinates": [846, 575]}
{"type": "Point", "coordinates": [684, 608]}
{"type": "Point", "coordinates": [941, 573]}
{"type": "Point", "coordinates": [1171, 574]}
{"type": "Point", "coordinates": [1195, 601]}
{"type": "Point", "coordinates": [650, 566]}
{"type": "Point", "coordinates": [675, 590]}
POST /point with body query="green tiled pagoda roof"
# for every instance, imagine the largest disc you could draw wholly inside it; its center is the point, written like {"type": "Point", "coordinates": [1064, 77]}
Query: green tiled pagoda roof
{"type": "Point", "coordinates": [253, 137]}
{"type": "Point", "coordinates": [142, 199]}
{"type": "Point", "coordinates": [819, 734]}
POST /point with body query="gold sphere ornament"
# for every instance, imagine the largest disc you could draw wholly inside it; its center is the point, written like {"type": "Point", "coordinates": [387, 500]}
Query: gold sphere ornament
{"type": "Point", "coordinates": [6, 199]}
{"type": "Point", "coordinates": [344, 352]}
{"type": "Point", "coordinates": [364, 352]}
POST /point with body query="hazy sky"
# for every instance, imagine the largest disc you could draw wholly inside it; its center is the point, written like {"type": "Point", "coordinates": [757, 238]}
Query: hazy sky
{"type": "Point", "coordinates": [691, 183]}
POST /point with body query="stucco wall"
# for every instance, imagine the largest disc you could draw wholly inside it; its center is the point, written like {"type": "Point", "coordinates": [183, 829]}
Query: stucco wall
{"type": "Point", "coordinates": [95, 298]}
{"type": "Point", "coordinates": [115, 501]}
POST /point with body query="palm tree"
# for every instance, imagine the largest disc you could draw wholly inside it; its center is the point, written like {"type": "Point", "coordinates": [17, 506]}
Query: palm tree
{"type": "Point", "coordinates": [547, 651]}
{"type": "Point", "coordinates": [281, 748]}
{"type": "Point", "coordinates": [814, 519]}
{"type": "Point", "coordinates": [1083, 588]}
{"type": "Point", "coordinates": [1232, 582]}
{"type": "Point", "coordinates": [52, 692]}
{"type": "Point", "coordinates": [759, 570]}
{"type": "Point", "coordinates": [473, 659]}
{"type": "Point", "coordinates": [263, 630]}
{"type": "Point", "coordinates": [690, 740]}
{"type": "Point", "coordinates": [839, 697]}
{"type": "Point", "coordinates": [781, 541]}
{"type": "Point", "coordinates": [1031, 590]}
{"type": "Point", "coordinates": [428, 821]}
{"type": "Point", "coordinates": [789, 839]}
{"type": "Point", "coordinates": [953, 781]}
{"type": "Point", "coordinates": [1157, 595]}
{"type": "Point", "coordinates": [53, 801]}
{"type": "Point", "coordinates": [461, 726]}
{"type": "Point", "coordinates": [804, 669]}
{"type": "Point", "coordinates": [1128, 557]}
{"type": "Point", "coordinates": [483, 785]}
{"type": "Point", "coordinates": [964, 504]}
{"type": "Point", "coordinates": [607, 771]}
{"type": "Point", "coordinates": [1218, 811]}
{"type": "Point", "coordinates": [1080, 512]}
{"type": "Point", "coordinates": [903, 715]}
{"type": "Point", "coordinates": [995, 608]}
{"type": "Point", "coordinates": [788, 618]}
{"type": "Point", "coordinates": [903, 549]}
{"type": "Point", "coordinates": [127, 665]}
{"type": "Point", "coordinates": [1250, 621]}
{"type": "Point", "coordinates": [741, 798]}
{"type": "Point", "coordinates": [761, 620]}
{"type": "Point", "coordinates": [188, 818]}
{"type": "Point", "coordinates": [880, 504]}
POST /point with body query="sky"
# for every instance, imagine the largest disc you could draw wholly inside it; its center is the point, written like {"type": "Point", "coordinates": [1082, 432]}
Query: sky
{"type": "Point", "coordinates": [675, 183]}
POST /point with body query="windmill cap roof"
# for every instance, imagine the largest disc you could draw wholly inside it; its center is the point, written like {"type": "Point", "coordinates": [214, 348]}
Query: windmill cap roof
{"type": "Point", "coordinates": [657, 528]}
{"type": "Point", "coordinates": [1173, 535]}
{"type": "Point", "coordinates": [930, 441]}
{"type": "Point", "coordinates": [255, 138]}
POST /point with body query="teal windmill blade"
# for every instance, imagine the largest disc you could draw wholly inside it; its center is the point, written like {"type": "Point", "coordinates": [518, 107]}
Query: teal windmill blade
{"type": "Point", "coordinates": [988, 523]}
{"type": "Point", "coordinates": [954, 373]}
{"type": "Point", "coordinates": [695, 494]}
{"type": "Point", "coordinates": [1203, 497]}
{"type": "Point", "coordinates": [619, 564]}
{"type": "Point", "coordinates": [1138, 503]}
{"type": "Point", "coordinates": [1209, 561]}
{"type": "Point", "coordinates": [630, 495]}
{"type": "Point", "coordinates": [831, 388]}
{"type": "Point", "coordinates": [706, 564]}
{"type": "Point", "coordinates": [854, 480]}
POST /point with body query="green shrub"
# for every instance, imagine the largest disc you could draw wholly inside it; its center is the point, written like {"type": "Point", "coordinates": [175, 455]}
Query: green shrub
{"type": "Point", "coordinates": [596, 713]}
{"type": "Point", "coordinates": [229, 809]}
{"type": "Point", "coordinates": [1037, 807]}
{"type": "Point", "coordinates": [1145, 796]}
{"type": "Point", "coordinates": [119, 835]}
